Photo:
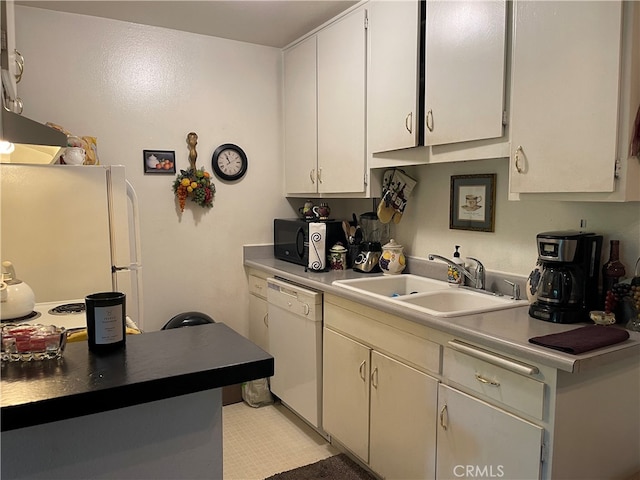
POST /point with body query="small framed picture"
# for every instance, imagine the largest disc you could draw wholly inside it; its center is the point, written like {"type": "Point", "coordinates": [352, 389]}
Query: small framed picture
{"type": "Point", "coordinates": [159, 161]}
{"type": "Point", "coordinates": [472, 205]}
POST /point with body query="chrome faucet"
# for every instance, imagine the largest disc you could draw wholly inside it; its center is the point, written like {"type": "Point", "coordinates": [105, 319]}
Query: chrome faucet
{"type": "Point", "coordinates": [477, 277]}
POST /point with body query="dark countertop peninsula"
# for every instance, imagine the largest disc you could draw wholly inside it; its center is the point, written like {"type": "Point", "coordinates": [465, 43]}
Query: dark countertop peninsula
{"type": "Point", "coordinates": [153, 366]}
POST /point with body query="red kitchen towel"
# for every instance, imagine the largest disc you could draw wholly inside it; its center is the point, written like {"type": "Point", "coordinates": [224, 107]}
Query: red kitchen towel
{"type": "Point", "coordinates": [582, 339]}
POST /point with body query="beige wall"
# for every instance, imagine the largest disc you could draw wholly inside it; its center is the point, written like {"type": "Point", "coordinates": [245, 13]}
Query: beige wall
{"type": "Point", "coordinates": [136, 87]}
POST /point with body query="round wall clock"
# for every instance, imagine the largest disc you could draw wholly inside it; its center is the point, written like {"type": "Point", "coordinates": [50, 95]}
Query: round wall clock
{"type": "Point", "coordinates": [229, 162]}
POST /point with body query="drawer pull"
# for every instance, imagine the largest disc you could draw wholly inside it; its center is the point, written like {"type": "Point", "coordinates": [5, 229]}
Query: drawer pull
{"type": "Point", "coordinates": [499, 360]}
{"type": "Point", "coordinates": [443, 413]}
{"type": "Point", "coordinates": [486, 381]}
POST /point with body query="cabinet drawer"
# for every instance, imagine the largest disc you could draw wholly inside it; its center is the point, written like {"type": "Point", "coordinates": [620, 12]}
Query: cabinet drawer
{"type": "Point", "coordinates": [500, 383]}
{"type": "Point", "coordinates": [258, 286]}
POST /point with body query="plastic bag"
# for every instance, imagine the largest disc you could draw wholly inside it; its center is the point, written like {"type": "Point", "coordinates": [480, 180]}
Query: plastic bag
{"type": "Point", "coordinates": [256, 393]}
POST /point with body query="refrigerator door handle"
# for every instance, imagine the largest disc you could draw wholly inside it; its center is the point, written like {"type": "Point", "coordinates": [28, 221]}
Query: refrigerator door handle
{"type": "Point", "coordinates": [136, 266]}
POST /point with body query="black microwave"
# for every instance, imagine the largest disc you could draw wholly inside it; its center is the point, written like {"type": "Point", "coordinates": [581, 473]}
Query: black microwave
{"type": "Point", "coordinates": [291, 238]}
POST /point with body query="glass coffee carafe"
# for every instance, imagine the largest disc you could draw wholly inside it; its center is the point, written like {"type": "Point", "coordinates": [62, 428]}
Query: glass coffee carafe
{"type": "Point", "coordinates": [560, 286]}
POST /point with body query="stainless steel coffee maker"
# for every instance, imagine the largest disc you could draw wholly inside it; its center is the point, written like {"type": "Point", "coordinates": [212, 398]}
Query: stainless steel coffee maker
{"type": "Point", "coordinates": [568, 286]}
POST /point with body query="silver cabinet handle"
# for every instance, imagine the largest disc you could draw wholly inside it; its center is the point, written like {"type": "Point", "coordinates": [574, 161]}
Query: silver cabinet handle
{"type": "Point", "coordinates": [20, 63]}
{"type": "Point", "coordinates": [265, 320]}
{"type": "Point", "coordinates": [486, 381]}
{"type": "Point", "coordinates": [429, 120]}
{"type": "Point", "coordinates": [312, 175]}
{"type": "Point", "coordinates": [374, 378]}
{"type": "Point", "coordinates": [319, 175]}
{"type": "Point", "coordinates": [408, 122]}
{"type": "Point", "coordinates": [494, 358]}
{"type": "Point", "coordinates": [363, 370]}
{"type": "Point", "coordinates": [516, 159]}
{"type": "Point", "coordinates": [443, 414]}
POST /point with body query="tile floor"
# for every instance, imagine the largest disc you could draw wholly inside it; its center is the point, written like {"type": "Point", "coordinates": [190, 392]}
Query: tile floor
{"type": "Point", "coordinates": [260, 442]}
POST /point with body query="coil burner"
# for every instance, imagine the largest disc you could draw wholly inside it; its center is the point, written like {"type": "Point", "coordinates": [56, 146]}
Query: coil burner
{"type": "Point", "coordinates": [68, 308]}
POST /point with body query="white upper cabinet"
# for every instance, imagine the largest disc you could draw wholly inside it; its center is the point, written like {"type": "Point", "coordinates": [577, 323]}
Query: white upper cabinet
{"type": "Point", "coordinates": [12, 61]}
{"type": "Point", "coordinates": [342, 48]}
{"type": "Point", "coordinates": [393, 80]}
{"type": "Point", "coordinates": [565, 96]}
{"type": "Point", "coordinates": [324, 110]}
{"type": "Point", "coordinates": [464, 70]}
{"type": "Point", "coordinates": [300, 117]}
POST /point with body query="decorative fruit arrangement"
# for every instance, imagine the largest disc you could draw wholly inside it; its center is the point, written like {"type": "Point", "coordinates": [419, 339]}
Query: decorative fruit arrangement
{"type": "Point", "coordinates": [619, 292]}
{"type": "Point", "coordinates": [195, 184]}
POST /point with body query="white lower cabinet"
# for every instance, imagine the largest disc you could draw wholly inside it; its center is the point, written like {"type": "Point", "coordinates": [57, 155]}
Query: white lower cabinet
{"type": "Point", "coordinates": [345, 402]}
{"type": "Point", "coordinates": [258, 320]}
{"type": "Point", "coordinates": [382, 410]}
{"type": "Point", "coordinates": [478, 440]}
{"type": "Point", "coordinates": [402, 431]}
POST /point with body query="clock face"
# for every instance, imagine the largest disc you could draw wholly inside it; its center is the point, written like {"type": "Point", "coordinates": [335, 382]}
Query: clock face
{"type": "Point", "coordinates": [229, 162]}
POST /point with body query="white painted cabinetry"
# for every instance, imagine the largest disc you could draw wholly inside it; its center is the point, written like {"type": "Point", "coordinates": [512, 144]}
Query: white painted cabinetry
{"type": "Point", "coordinates": [464, 71]}
{"type": "Point", "coordinates": [393, 78]}
{"type": "Point", "coordinates": [566, 75]}
{"type": "Point", "coordinates": [341, 105]}
{"type": "Point", "coordinates": [403, 402]}
{"type": "Point", "coordinates": [345, 403]}
{"type": "Point", "coordinates": [379, 408]}
{"type": "Point", "coordinates": [478, 440]}
{"type": "Point", "coordinates": [258, 320]}
{"type": "Point", "coordinates": [300, 118]}
{"type": "Point", "coordinates": [12, 61]}
{"type": "Point", "coordinates": [409, 399]}
{"type": "Point", "coordinates": [324, 104]}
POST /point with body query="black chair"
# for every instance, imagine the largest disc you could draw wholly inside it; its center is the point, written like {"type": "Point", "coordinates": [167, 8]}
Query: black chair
{"type": "Point", "coordinates": [188, 319]}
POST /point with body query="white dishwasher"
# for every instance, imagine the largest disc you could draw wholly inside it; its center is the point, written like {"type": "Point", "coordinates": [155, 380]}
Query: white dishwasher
{"type": "Point", "coordinates": [295, 341]}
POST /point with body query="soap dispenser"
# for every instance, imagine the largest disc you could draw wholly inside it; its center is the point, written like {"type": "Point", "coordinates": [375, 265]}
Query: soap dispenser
{"type": "Point", "coordinates": [454, 275]}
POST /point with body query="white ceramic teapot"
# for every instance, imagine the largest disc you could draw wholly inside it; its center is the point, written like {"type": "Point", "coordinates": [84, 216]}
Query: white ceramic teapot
{"type": "Point", "coordinates": [17, 298]}
{"type": "Point", "coordinates": [392, 260]}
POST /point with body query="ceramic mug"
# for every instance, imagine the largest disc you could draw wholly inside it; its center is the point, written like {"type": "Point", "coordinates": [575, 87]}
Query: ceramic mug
{"type": "Point", "coordinates": [74, 156]}
{"type": "Point", "coordinates": [322, 211]}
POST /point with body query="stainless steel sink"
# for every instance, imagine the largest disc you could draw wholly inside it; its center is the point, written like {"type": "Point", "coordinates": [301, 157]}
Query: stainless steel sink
{"type": "Point", "coordinates": [433, 297]}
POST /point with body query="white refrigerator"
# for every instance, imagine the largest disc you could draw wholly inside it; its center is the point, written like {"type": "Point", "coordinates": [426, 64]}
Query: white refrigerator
{"type": "Point", "coordinates": [72, 230]}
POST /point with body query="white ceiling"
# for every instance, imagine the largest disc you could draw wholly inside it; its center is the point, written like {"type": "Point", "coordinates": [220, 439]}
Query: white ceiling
{"type": "Point", "coordinates": [274, 23]}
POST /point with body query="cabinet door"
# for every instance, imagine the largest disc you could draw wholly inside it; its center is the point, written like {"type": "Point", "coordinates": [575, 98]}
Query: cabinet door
{"type": "Point", "coordinates": [465, 71]}
{"type": "Point", "coordinates": [564, 96]}
{"type": "Point", "coordinates": [12, 63]}
{"type": "Point", "coordinates": [477, 440]}
{"type": "Point", "coordinates": [393, 83]}
{"type": "Point", "coordinates": [258, 326]}
{"type": "Point", "coordinates": [403, 420]}
{"type": "Point", "coordinates": [345, 398]}
{"type": "Point", "coordinates": [300, 118]}
{"type": "Point", "coordinates": [341, 105]}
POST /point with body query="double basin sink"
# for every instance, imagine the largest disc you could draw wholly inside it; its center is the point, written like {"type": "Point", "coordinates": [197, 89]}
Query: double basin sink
{"type": "Point", "coordinates": [433, 297]}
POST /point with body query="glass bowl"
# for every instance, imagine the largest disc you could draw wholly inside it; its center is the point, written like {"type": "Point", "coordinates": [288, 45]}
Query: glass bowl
{"type": "Point", "coordinates": [29, 342]}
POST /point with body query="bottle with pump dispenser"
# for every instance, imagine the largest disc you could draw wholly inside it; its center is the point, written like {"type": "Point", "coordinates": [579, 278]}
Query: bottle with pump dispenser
{"type": "Point", "coordinates": [455, 276]}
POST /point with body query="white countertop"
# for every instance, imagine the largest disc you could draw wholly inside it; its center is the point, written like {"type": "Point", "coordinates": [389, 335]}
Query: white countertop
{"type": "Point", "coordinates": [506, 330]}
